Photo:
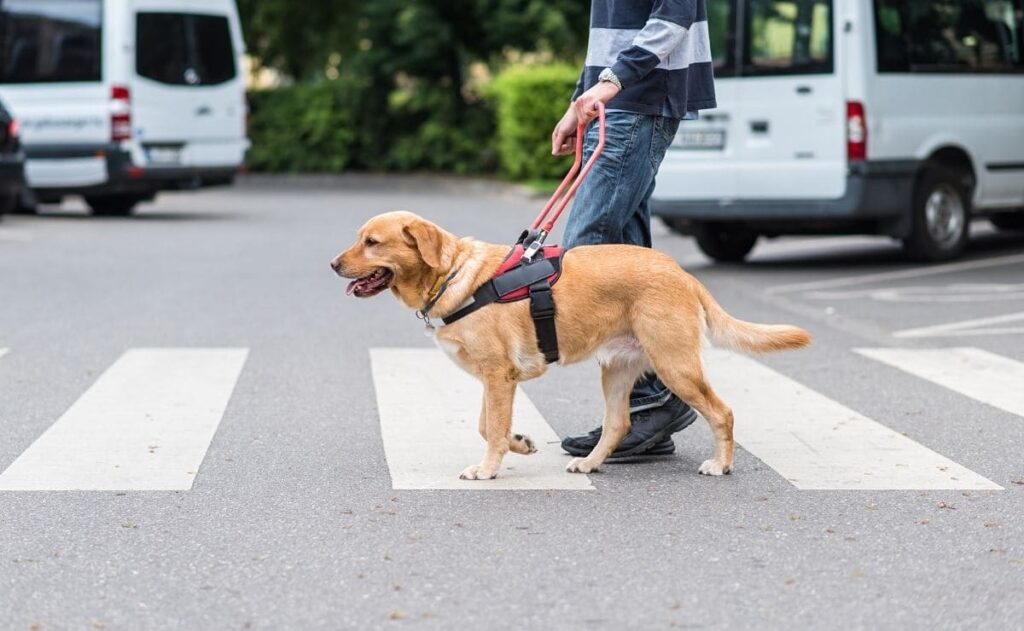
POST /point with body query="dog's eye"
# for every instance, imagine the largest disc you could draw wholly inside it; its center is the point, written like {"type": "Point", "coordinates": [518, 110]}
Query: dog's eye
{"type": "Point", "coordinates": [370, 241]}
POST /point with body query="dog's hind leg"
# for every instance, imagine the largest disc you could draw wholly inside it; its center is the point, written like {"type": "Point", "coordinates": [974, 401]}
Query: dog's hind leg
{"type": "Point", "coordinates": [617, 381]}
{"type": "Point", "coordinates": [675, 352]}
{"type": "Point", "coordinates": [496, 422]}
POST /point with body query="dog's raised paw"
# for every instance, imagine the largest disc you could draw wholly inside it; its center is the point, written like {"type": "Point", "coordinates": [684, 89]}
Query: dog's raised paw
{"type": "Point", "coordinates": [476, 472]}
{"type": "Point", "coordinates": [713, 467]}
{"type": "Point", "coordinates": [580, 465]}
{"type": "Point", "coordinates": [522, 444]}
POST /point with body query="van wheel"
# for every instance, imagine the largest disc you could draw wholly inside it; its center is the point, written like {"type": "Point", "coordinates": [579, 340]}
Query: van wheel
{"type": "Point", "coordinates": [1008, 221]}
{"type": "Point", "coordinates": [8, 202]}
{"type": "Point", "coordinates": [25, 203]}
{"type": "Point", "coordinates": [725, 244]}
{"type": "Point", "coordinates": [941, 216]}
{"type": "Point", "coordinates": [112, 205]}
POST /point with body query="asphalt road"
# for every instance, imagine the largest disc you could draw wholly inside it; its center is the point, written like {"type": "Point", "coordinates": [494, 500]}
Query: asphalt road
{"type": "Point", "coordinates": [292, 521]}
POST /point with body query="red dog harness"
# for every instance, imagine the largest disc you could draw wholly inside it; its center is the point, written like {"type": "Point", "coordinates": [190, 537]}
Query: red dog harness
{"type": "Point", "coordinates": [517, 279]}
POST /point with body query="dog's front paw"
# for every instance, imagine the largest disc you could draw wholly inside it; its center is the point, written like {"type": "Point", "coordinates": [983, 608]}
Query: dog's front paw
{"type": "Point", "coordinates": [477, 472]}
{"type": "Point", "coordinates": [522, 444]}
{"type": "Point", "coordinates": [713, 467]}
{"type": "Point", "coordinates": [580, 465]}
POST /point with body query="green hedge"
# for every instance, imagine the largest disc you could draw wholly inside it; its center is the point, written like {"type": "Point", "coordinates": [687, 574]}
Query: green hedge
{"type": "Point", "coordinates": [530, 101]}
{"type": "Point", "coordinates": [332, 126]}
{"type": "Point", "coordinates": [304, 128]}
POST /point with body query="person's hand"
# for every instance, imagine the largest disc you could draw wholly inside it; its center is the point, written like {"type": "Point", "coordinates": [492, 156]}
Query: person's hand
{"type": "Point", "coordinates": [563, 138]}
{"type": "Point", "coordinates": [586, 105]}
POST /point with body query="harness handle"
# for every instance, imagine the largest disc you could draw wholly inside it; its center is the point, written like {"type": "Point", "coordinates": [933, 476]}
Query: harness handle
{"type": "Point", "coordinates": [558, 202]}
{"type": "Point", "coordinates": [564, 201]}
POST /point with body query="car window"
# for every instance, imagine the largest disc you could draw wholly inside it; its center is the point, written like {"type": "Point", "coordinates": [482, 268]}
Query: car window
{"type": "Point", "coordinates": [215, 56]}
{"type": "Point", "coordinates": [46, 41]}
{"type": "Point", "coordinates": [161, 52]}
{"type": "Point", "coordinates": [961, 36]}
{"type": "Point", "coordinates": [184, 48]}
{"type": "Point", "coordinates": [788, 37]}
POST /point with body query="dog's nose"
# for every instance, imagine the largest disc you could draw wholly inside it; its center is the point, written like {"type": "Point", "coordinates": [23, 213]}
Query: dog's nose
{"type": "Point", "coordinates": [335, 265]}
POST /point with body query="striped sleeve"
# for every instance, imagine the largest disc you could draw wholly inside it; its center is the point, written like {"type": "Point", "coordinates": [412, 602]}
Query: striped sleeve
{"type": "Point", "coordinates": [663, 33]}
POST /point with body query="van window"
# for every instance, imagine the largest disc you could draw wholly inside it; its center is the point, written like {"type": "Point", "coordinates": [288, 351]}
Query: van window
{"type": "Point", "coordinates": [184, 48]}
{"type": "Point", "coordinates": [962, 36]}
{"type": "Point", "coordinates": [48, 41]}
{"type": "Point", "coordinates": [788, 37]}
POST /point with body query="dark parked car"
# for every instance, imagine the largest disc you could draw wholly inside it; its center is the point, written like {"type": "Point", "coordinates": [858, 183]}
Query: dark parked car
{"type": "Point", "coordinates": [12, 161]}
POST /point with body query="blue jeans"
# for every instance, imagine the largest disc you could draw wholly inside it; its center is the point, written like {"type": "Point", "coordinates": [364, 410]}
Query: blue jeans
{"type": "Point", "coordinates": [613, 203]}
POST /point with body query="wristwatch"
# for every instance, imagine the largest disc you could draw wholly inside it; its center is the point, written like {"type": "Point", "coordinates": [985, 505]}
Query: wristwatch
{"type": "Point", "coordinates": [609, 76]}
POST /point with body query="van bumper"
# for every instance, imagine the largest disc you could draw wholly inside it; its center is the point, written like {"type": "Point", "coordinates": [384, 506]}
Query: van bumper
{"type": "Point", "coordinates": [121, 176]}
{"type": "Point", "coordinates": [877, 200]}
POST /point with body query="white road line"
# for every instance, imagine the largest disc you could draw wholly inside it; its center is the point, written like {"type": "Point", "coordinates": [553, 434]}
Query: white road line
{"type": "Point", "coordinates": [144, 425]}
{"type": "Point", "coordinates": [817, 443]}
{"type": "Point", "coordinates": [916, 272]}
{"type": "Point", "coordinates": [974, 327]}
{"type": "Point", "coordinates": [992, 379]}
{"type": "Point", "coordinates": [429, 411]}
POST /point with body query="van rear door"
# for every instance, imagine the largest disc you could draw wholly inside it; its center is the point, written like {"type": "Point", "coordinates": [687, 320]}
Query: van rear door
{"type": "Point", "coordinates": [698, 165]}
{"type": "Point", "coordinates": [187, 91]}
{"type": "Point", "coordinates": [791, 137]}
{"type": "Point", "coordinates": [51, 70]}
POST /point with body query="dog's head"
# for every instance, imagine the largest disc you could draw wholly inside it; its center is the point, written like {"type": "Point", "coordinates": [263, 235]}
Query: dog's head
{"type": "Point", "coordinates": [397, 250]}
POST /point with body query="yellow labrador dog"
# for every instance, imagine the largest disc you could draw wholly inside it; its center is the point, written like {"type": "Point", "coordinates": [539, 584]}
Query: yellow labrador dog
{"type": "Point", "coordinates": [632, 308]}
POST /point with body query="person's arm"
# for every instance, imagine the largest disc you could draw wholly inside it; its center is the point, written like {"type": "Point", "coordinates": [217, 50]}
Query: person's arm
{"type": "Point", "coordinates": [665, 30]}
{"type": "Point", "coordinates": [663, 33]}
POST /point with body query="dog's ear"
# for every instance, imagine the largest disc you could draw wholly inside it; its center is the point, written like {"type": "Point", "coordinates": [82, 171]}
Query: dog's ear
{"type": "Point", "coordinates": [428, 240]}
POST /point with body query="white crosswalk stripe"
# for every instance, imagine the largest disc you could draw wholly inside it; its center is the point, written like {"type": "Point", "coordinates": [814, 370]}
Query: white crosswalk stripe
{"type": "Point", "coordinates": [983, 376]}
{"type": "Point", "coordinates": [145, 424]}
{"type": "Point", "coordinates": [148, 421]}
{"type": "Point", "coordinates": [429, 410]}
{"type": "Point", "coordinates": [817, 443]}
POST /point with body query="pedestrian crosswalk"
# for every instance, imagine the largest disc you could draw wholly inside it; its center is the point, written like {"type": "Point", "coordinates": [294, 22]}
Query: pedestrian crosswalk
{"type": "Point", "coordinates": [148, 420]}
{"type": "Point", "coordinates": [144, 425]}
{"type": "Point", "coordinates": [983, 376]}
{"type": "Point", "coordinates": [818, 443]}
{"type": "Point", "coordinates": [429, 410]}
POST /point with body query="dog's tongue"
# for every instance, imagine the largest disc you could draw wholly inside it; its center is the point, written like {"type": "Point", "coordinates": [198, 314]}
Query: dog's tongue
{"type": "Point", "coordinates": [352, 287]}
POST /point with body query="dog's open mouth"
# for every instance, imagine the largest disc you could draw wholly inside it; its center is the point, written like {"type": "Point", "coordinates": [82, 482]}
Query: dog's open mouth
{"type": "Point", "coordinates": [371, 285]}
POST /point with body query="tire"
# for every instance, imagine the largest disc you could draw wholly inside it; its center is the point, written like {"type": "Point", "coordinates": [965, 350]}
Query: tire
{"type": "Point", "coordinates": [8, 203]}
{"type": "Point", "coordinates": [1009, 221]}
{"type": "Point", "coordinates": [112, 205]}
{"type": "Point", "coordinates": [940, 216]}
{"type": "Point", "coordinates": [725, 244]}
{"type": "Point", "coordinates": [26, 203]}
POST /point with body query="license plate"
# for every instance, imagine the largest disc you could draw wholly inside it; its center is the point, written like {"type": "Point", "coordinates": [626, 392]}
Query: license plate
{"type": "Point", "coordinates": [163, 155]}
{"type": "Point", "coordinates": [699, 140]}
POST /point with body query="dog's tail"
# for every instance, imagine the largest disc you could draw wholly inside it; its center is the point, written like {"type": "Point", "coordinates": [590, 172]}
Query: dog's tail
{"type": "Point", "coordinates": [729, 332]}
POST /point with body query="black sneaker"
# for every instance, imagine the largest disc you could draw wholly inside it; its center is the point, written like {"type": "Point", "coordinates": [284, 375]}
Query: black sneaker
{"type": "Point", "coordinates": [650, 433]}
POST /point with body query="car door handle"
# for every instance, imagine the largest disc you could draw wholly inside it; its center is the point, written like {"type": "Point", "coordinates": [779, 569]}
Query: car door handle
{"type": "Point", "coordinates": [804, 89]}
{"type": "Point", "coordinates": [204, 110]}
{"type": "Point", "coordinates": [713, 118]}
{"type": "Point", "coordinates": [759, 127]}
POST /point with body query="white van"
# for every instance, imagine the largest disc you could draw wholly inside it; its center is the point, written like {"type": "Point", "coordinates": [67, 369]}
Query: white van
{"type": "Point", "coordinates": [895, 117]}
{"type": "Point", "coordinates": [118, 99]}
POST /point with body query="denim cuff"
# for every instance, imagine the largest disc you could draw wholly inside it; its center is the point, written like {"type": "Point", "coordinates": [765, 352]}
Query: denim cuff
{"type": "Point", "coordinates": [650, 401]}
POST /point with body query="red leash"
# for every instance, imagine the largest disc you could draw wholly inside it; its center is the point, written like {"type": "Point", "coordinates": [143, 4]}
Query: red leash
{"type": "Point", "coordinates": [558, 202]}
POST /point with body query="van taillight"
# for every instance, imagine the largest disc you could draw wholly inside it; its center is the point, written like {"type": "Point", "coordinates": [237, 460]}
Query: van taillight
{"type": "Point", "coordinates": [13, 129]}
{"type": "Point", "coordinates": [120, 114]}
{"type": "Point", "coordinates": [856, 131]}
